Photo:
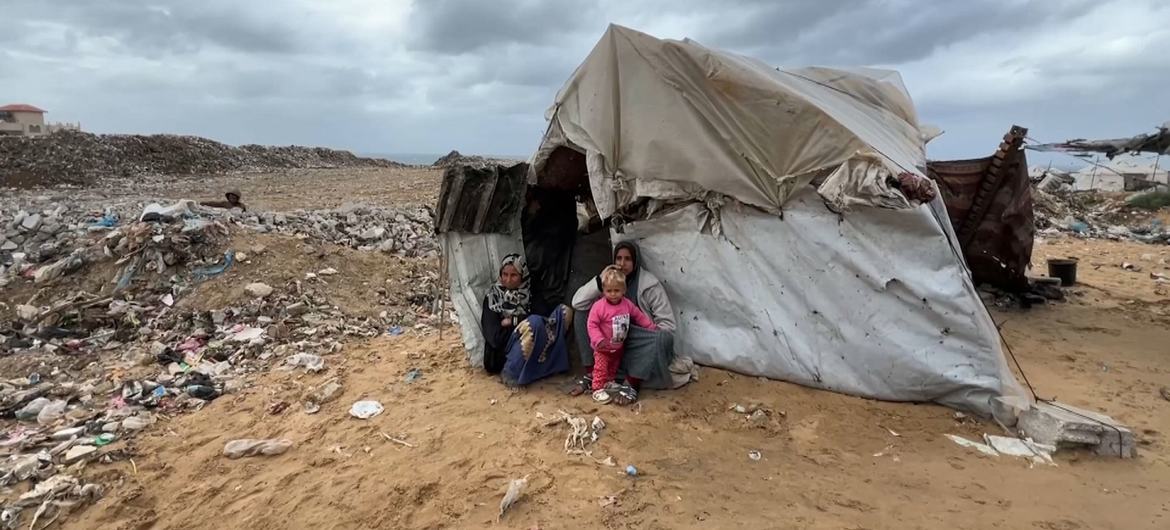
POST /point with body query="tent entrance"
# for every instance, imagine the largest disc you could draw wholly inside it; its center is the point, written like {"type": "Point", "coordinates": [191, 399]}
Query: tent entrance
{"type": "Point", "coordinates": [564, 241]}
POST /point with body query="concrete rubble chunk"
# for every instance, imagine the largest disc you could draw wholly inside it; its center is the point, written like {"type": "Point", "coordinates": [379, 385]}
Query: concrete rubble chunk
{"type": "Point", "coordinates": [31, 222]}
{"type": "Point", "coordinates": [1064, 425]}
{"type": "Point", "coordinates": [27, 312]}
{"type": "Point", "coordinates": [258, 290]}
{"type": "Point", "coordinates": [78, 452]}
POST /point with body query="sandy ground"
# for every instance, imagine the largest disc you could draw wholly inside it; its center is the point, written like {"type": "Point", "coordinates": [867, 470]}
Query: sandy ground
{"type": "Point", "coordinates": [828, 461]}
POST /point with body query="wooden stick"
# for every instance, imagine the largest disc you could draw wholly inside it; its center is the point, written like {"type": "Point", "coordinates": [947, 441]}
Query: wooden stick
{"type": "Point", "coordinates": [396, 440]}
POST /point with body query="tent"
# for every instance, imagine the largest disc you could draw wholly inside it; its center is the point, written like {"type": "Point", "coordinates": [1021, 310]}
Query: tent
{"type": "Point", "coordinates": [780, 208]}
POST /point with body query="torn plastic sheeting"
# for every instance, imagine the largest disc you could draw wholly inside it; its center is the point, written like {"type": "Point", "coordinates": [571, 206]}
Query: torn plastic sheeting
{"type": "Point", "coordinates": [205, 273]}
{"type": "Point", "coordinates": [179, 209]}
{"type": "Point", "coordinates": [1026, 448]}
{"type": "Point", "coordinates": [746, 129]}
{"type": "Point", "coordinates": [876, 304]}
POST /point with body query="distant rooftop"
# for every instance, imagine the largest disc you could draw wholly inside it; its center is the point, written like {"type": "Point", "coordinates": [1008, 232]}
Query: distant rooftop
{"type": "Point", "coordinates": [20, 107]}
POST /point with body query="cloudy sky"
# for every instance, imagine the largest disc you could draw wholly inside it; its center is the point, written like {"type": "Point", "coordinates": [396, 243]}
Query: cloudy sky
{"type": "Point", "coordinates": [384, 76]}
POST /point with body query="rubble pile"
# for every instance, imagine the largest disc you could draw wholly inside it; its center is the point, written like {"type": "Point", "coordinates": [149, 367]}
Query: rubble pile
{"type": "Point", "coordinates": [1094, 215]}
{"type": "Point", "coordinates": [76, 157]}
{"type": "Point", "coordinates": [85, 372]}
{"type": "Point", "coordinates": [455, 158]}
{"type": "Point", "coordinates": [406, 232]}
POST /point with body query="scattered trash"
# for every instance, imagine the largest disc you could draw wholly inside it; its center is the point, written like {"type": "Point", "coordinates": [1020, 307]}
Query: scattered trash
{"type": "Point", "coordinates": [515, 489]}
{"type": "Point", "coordinates": [607, 461]}
{"type": "Point", "coordinates": [248, 447]}
{"type": "Point", "coordinates": [982, 448]}
{"type": "Point", "coordinates": [607, 501]}
{"type": "Point", "coordinates": [311, 363]}
{"type": "Point", "coordinates": [1037, 453]}
{"type": "Point", "coordinates": [891, 431]}
{"type": "Point", "coordinates": [412, 375]}
{"type": "Point", "coordinates": [327, 272]}
{"type": "Point", "coordinates": [631, 470]}
{"type": "Point", "coordinates": [394, 331]}
{"type": "Point", "coordinates": [365, 409]}
{"type": "Point", "coordinates": [1131, 267]}
{"type": "Point", "coordinates": [276, 407]}
{"type": "Point", "coordinates": [205, 273]}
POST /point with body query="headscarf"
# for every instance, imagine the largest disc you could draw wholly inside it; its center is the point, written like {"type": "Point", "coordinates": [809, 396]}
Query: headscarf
{"type": "Point", "coordinates": [632, 277]}
{"type": "Point", "coordinates": [511, 302]}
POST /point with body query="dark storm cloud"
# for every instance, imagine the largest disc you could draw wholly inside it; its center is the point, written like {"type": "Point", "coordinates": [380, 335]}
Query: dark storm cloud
{"type": "Point", "coordinates": [464, 26]}
{"type": "Point", "coordinates": [876, 31]}
{"type": "Point", "coordinates": [427, 76]}
{"type": "Point", "coordinates": [159, 27]}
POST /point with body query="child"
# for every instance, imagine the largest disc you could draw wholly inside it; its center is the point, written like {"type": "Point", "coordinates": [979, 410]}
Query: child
{"type": "Point", "coordinates": [609, 323]}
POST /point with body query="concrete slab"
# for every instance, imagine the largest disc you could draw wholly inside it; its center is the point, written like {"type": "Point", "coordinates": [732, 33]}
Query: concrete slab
{"type": "Point", "coordinates": [1064, 425]}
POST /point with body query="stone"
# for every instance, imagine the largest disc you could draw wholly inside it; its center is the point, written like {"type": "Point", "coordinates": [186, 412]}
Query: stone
{"type": "Point", "coordinates": [1068, 426]}
{"type": "Point", "coordinates": [112, 426]}
{"type": "Point", "coordinates": [372, 234]}
{"type": "Point", "coordinates": [1007, 409]}
{"type": "Point", "coordinates": [27, 312]}
{"type": "Point", "coordinates": [297, 309]}
{"type": "Point", "coordinates": [31, 222]}
{"type": "Point", "coordinates": [241, 256]}
{"type": "Point", "coordinates": [258, 290]}
{"type": "Point", "coordinates": [9, 245]}
{"type": "Point", "coordinates": [137, 423]}
{"type": "Point", "coordinates": [78, 452]}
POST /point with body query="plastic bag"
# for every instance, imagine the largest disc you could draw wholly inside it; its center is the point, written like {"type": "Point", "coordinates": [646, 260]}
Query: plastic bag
{"type": "Point", "coordinates": [249, 447]}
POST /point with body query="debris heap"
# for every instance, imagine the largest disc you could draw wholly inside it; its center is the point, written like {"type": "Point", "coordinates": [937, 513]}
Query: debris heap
{"type": "Point", "coordinates": [1095, 215]}
{"type": "Point", "coordinates": [74, 157]}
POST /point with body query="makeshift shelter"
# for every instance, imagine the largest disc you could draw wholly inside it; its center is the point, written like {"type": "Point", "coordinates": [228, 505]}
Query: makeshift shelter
{"type": "Point", "coordinates": [989, 201]}
{"type": "Point", "coordinates": [780, 208]}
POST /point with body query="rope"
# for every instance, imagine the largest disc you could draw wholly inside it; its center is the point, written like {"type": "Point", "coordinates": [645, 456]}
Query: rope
{"type": "Point", "coordinates": [1035, 396]}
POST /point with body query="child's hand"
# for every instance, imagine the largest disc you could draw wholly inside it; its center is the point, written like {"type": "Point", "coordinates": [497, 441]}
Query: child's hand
{"type": "Point", "coordinates": [506, 322]}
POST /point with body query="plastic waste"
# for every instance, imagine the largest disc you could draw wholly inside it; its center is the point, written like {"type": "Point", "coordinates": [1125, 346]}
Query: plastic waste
{"type": "Point", "coordinates": [631, 470]}
{"type": "Point", "coordinates": [312, 363]}
{"type": "Point", "coordinates": [104, 439]}
{"type": "Point", "coordinates": [755, 455]}
{"type": "Point", "coordinates": [248, 447]}
{"type": "Point", "coordinates": [515, 489]}
{"type": "Point", "coordinates": [412, 375]}
{"type": "Point", "coordinates": [51, 412]}
{"type": "Point", "coordinates": [366, 409]}
{"type": "Point", "coordinates": [203, 392]}
{"type": "Point", "coordinates": [394, 331]}
{"type": "Point", "coordinates": [137, 423]}
{"type": "Point", "coordinates": [204, 273]}
{"type": "Point", "coordinates": [30, 411]}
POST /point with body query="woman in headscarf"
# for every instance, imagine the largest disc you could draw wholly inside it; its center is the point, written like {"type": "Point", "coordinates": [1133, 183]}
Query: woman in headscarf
{"type": "Point", "coordinates": [506, 304]}
{"type": "Point", "coordinates": [648, 354]}
{"type": "Point", "coordinates": [519, 346]}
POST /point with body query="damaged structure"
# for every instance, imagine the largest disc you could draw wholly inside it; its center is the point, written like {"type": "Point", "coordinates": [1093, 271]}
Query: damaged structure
{"type": "Point", "coordinates": [989, 201]}
{"type": "Point", "coordinates": [788, 214]}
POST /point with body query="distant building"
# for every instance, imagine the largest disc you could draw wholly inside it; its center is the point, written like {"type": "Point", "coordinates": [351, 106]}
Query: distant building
{"type": "Point", "coordinates": [26, 120]}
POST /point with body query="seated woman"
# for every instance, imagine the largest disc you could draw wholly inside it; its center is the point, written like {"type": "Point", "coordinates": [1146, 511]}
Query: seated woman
{"type": "Point", "coordinates": [522, 348]}
{"type": "Point", "coordinates": [648, 353]}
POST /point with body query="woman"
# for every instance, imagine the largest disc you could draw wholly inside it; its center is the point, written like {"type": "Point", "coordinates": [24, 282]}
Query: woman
{"type": "Point", "coordinates": [522, 348]}
{"type": "Point", "coordinates": [504, 307]}
{"type": "Point", "coordinates": [648, 354]}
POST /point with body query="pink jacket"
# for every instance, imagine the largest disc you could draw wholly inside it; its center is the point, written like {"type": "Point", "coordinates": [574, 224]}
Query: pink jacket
{"type": "Point", "coordinates": [612, 321]}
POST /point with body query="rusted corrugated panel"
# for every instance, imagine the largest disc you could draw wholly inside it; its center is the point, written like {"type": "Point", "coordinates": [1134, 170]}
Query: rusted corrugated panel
{"type": "Point", "coordinates": [989, 201]}
{"type": "Point", "coordinates": [480, 199]}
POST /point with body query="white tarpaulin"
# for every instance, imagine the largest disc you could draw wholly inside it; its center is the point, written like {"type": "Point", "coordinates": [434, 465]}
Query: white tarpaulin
{"type": "Point", "coordinates": [874, 303]}
{"type": "Point", "coordinates": [473, 262]}
{"type": "Point", "coordinates": [674, 120]}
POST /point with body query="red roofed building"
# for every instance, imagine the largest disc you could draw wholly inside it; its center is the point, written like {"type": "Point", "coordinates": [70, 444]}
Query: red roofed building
{"type": "Point", "coordinates": [19, 119]}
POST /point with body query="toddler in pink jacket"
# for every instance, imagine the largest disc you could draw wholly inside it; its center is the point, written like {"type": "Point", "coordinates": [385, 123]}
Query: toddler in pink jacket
{"type": "Point", "coordinates": [609, 323]}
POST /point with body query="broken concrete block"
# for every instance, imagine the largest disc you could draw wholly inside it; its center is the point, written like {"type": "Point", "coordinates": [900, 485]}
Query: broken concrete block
{"type": "Point", "coordinates": [78, 452]}
{"type": "Point", "coordinates": [1068, 426]}
{"type": "Point", "coordinates": [31, 222]}
{"type": "Point", "coordinates": [258, 290]}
